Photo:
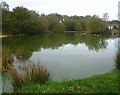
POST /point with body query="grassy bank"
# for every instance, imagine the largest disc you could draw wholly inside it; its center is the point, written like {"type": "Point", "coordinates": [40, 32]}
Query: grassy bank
{"type": "Point", "coordinates": [105, 83]}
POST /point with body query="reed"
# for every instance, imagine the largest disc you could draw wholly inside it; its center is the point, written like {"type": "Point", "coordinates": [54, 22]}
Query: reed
{"type": "Point", "coordinates": [32, 74]}
{"type": "Point", "coordinates": [26, 74]}
{"type": "Point", "coordinates": [35, 73]}
{"type": "Point", "coordinates": [17, 79]}
{"type": "Point", "coordinates": [6, 58]}
{"type": "Point", "coordinates": [8, 68]}
{"type": "Point", "coordinates": [22, 53]}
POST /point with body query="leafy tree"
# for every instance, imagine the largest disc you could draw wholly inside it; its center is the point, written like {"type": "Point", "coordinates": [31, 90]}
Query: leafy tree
{"type": "Point", "coordinates": [21, 17]}
{"type": "Point", "coordinates": [60, 27]}
{"type": "Point", "coordinates": [95, 25]}
{"type": "Point", "coordinates": [5, 17]}
{"type": "Point", "coordinates": [44, 24]}
{"type": "Point", "coordinates": [69, 24]}
{"type": "Point", "coordinates": [24, 21]}
{"type": "Point", "coordinates": [78, 26]}
{"type": "Point", "coordinates": [27, 22]}
{"type": "Point", "coordinates": [53, 21]}
{"type": "Point", "coordinates": [7, 24]}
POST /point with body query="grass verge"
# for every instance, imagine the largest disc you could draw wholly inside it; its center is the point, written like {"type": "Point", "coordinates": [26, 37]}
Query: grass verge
{"type": "Point", "coordinates": [104, 83]}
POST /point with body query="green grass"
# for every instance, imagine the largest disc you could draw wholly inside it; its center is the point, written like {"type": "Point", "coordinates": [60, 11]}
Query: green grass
{"type": "Point", "coordinates": [105, 83]}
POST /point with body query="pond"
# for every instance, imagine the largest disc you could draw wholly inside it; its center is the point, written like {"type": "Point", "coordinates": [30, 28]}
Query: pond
{"type": "Point", "coordinates": [66, 56]}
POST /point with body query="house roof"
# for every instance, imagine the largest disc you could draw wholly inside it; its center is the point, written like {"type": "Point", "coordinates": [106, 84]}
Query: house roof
{"type": "Point", "coordinates": [115, 23]}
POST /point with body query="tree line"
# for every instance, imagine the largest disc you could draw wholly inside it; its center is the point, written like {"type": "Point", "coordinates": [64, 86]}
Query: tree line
{"type": "Point", "coordinates": [24, 21]}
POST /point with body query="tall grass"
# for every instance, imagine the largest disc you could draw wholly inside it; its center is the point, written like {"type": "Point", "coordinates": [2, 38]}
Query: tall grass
{"type": "Point", "coordinates": [6, 58]}
{"type": "Point", "coordinates": [25, 74]}
{"type": "Point", "coordinates": [17, 80]}
{"type": "Point", "coordinates": [35, 73]}
{"type": "Point", "coordinates": [31, 74]}
{"type": "Point", "coordinates": [22, 53]}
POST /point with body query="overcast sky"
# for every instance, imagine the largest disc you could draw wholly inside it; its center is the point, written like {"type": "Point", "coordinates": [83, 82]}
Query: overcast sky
{"type": "Point", "coordinates": [70, 7]}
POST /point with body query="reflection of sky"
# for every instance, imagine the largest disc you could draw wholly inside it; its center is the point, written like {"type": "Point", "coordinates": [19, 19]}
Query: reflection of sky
{"type": "Point", "coordinates": [76, 61]}
{"type": "Point", "coordinates": [114, 43]}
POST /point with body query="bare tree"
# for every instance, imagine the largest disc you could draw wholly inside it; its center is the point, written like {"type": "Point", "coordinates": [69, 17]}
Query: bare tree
{"type": "Point", "coordinates": [4, 5]}
{"type": "Point", "coordinates": [106, 16]}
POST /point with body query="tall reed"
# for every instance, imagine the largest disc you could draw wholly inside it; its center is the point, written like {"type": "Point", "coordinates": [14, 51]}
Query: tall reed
{"type": "Point", "coordinates": [17, 79]}
{"type": "Point", "coordinates": [35, 73]}
{"type": "Point", "coordinates": [31, 74]}
{"type": "Point", "coordinates": [25, 74]}
{"type": "Point", "coordinates": [6, 58]}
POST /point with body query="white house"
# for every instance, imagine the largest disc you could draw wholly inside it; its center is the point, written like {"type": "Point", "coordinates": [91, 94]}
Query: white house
{"type": "Point", "coordinates": [114, 24]}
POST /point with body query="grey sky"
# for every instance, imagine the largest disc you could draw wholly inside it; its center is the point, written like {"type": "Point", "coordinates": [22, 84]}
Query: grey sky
{"type": "Point", "coordinates": [70, 7]}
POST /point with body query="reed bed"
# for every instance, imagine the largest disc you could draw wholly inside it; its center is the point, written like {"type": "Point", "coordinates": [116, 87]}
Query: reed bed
{"type": "Point", "coordinates": [35, 73]}
{"type": "Point", "coordinates": [22, 53]}
{"type": "Point", "coordinates": [17, 80]}
{"type": "Point", "coordinates": [6, 59]}
{"type": "Point", "coordinates": [26, 73]}
{"type": "Point", "coordinates": [32, 73]}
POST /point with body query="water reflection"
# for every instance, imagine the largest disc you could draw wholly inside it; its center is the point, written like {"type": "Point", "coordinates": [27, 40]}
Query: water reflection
{"type": "Point", "coordinates": [66, 56]}
{"type": "Point", "coordinates": [95, 43]}
{"type": "Point", "coordinates": [75, 61]}
{"type": "Point", "coordinates": [24, 46]}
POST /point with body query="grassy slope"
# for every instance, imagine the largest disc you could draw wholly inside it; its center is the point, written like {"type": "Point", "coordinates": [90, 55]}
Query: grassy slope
{"type": "Point", "coordinates": [106, 83]}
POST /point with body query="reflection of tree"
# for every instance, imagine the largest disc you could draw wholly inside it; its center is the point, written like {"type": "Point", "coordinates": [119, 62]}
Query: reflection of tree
{"type": "Point", "coordinates": [23, 46]}
{"type": "Point", "coordinates": [95, 43]}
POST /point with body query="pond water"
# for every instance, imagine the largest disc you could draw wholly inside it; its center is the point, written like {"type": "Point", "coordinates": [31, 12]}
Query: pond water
{"type": "Point", "coordinates": [66, 56]}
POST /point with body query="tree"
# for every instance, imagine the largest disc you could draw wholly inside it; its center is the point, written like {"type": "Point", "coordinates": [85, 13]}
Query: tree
{"type": "Point", "coordinates": [69, 24]}
{"type": "Point", "coordinates": [24, 21]}
{"type": "Point", "coordinates": [78, 26]}
{"type": "Point", "coordinates": [21, 17]}
{"type": "Point", "coordinates": [53, 20]}
{"type": "Point", "coordinates": [27, 21]}
{"type": "Point", "coordinates": [4, 6]}
{"type": "Point", "coordinates": [95, 25]}
{"type": "Point", "coordinates": [106, 16]}
{"type": "Point", "coordinates": [7, 23]}
{"type": "Point", "coordinates": [5, 17]}
{"type": "Point", "coordinates": [60, 27]}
